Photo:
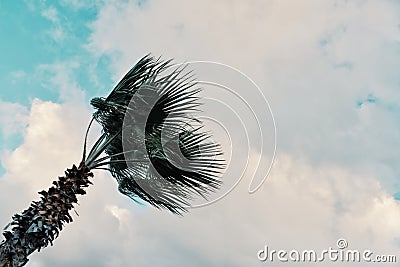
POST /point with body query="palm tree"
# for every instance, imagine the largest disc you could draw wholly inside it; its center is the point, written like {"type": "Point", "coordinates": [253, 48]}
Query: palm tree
{"type": "Point", "coordinates": [151, 145]}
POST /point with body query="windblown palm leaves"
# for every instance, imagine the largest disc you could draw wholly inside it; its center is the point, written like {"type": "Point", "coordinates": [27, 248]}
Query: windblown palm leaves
{"type": "Point", "coordinates": [155, 148]}
{"type": "Point", "coordinates": [150, 143]}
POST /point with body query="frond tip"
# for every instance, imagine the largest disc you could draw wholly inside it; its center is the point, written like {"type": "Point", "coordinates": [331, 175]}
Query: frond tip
{"type": "Point", "coordinates": [155, 146]}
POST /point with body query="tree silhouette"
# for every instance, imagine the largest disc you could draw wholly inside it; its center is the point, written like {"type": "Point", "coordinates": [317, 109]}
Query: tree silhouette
{"type": "Point", "coordinates": [150, 143]}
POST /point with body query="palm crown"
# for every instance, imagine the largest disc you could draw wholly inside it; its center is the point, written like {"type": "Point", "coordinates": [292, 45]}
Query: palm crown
{"type": "Point", "coordinates": [147, 136]}
{"type": "Point", "coordinates": [150, 143]}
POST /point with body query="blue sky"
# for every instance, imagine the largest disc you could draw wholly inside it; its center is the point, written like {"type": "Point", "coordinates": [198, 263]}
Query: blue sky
{"type": "Point", "coordinates": [32, 40]}
{"type": "Point", "coordinates": [329, 70]}
{"type": "Point", "coordinates": [40, 33]}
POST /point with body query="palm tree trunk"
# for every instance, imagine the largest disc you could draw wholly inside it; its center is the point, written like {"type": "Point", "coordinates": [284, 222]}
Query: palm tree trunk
{"type": "Point", "coordinates": [41, 223]}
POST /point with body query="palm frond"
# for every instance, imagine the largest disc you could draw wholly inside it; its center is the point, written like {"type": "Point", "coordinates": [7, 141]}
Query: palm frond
{"type": "Point", "coordinates": [153, 148]}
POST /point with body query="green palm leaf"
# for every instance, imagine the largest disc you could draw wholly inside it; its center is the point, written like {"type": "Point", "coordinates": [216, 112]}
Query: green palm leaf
{"type": "Point", "coordinates": [155, 147]}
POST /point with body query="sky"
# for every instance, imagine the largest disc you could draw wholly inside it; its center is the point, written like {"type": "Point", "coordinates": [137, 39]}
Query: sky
{"type": "Point", "coordinates": [305, 93]}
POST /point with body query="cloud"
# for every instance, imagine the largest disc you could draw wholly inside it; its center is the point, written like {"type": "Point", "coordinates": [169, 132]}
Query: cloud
{"type": "Point", "coordinates": [314, 61]}
{"type": "Point", "coordinates": [13, 118]}
{"type": "Point", "coordinates": [336, 166]}
{"type": "Point", "coordinates": [52, 134]}
{"type": "Point", "coordinates": [59, 76]}
{"type": "Point", "coordinates": [53, 140]}
{"type": "Point", "coordinates": [57, 32]}
{"type": "Point", "coordinates": [300, 207]}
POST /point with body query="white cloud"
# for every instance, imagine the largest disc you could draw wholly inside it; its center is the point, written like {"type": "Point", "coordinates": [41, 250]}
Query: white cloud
{"type": "Point", "coordinates": [51, 14]}
{"type": "Point", "coordinates": [57, 32]}
{"type": "Point", "coordinates": [13, 118]}
{"type": "Point", "coordinates": [314, 60]}
{"type": "Point", "coordinates": [300, 207]}
{"type": "Point", "coordinates": [52, 133]}
{"type": "Point", "coordinates": [59, 77]}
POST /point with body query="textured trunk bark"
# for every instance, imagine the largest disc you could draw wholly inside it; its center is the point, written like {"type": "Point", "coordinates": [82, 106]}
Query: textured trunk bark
{"type": "Point", "coordinates": [40, 224]}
